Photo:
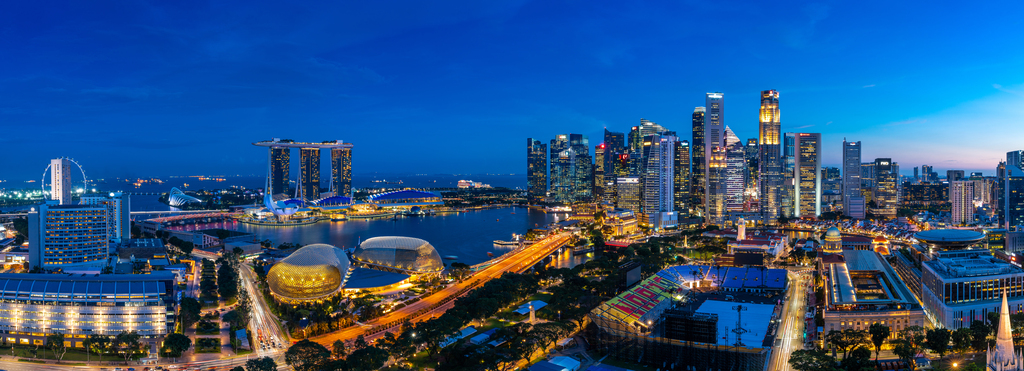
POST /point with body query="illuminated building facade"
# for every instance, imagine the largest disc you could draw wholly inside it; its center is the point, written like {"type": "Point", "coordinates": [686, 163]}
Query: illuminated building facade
{"type": "Point", "coordinates": [735, 171]}
{"type": "Point", "coordinates": [806, 176]}
{"type": "Point", "coordinates": [309, 174]}
{"type": "Point", "coordinates": [853, 201]}
{"type": "Point", "coordinates": [119, 223]}
{"type": "Point", "coordinates": [341, 171]}
{"type": "Point", "coordinates": [615, 148]}
{"type": "Point", "coordinates": [571, 168]}
{"type": "Point", "coordinates": [962, 198]}
{"type": "Point", "coordinates": [682, 178]}
{"type": "Point", "coordinates": [886, 187]}
{"type": "Point", "coordinates": [33, 306]}
{"type": "Point", "coordinates": [280, 168]}
{"type": "Point", "coordinates": [68, 236]}
{"type": "Point", "coordinates": [698, 163]}
{"type": "Point", "coordinates": [598, 178]}
{"type": "Point", "coordinates": [628, 194]}
{"type": "Point", "coordinates": [715, 211]}
{"type": "Point", "coordinates": [536, 169]}
{"type": "Point", "coordinates": [60, 180]}
{"type": "Point", "coordinates": [659, 178]}
{"type": "Point", "coordinates": [770, 162]}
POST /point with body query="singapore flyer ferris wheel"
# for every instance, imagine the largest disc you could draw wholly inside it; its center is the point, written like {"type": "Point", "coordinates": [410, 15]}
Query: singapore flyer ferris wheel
{"type": "Point", "coordinates": [79, 186]}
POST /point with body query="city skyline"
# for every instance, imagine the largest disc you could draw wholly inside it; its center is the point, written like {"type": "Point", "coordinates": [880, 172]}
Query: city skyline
{"type": "Point", "coordinates": [139, 80]}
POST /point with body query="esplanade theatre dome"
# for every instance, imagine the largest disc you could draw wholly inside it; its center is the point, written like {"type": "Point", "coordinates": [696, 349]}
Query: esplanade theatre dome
{"type": "Point", "coordinates": [402, 254]}
{"type": "Point", "coordinates": [311, 273]}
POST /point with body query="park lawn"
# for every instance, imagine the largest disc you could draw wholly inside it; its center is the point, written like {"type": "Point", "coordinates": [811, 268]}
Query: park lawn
{"type": "Point", "coordinates": [420, 361]}
{"type": "Point", "coordinates": [208, 345]}
{"type": "Point", "coordinates": [72, 354]}
{"type": "Point", "coordinates": [215, 330]}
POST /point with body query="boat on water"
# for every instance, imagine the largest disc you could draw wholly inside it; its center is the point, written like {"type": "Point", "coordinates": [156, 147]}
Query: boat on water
{"type": "Point", "coordinates": [490, 254]}
{"type": "Point", "coordinates": [451, 257]}
{"type": "Point", "coordinates": [337, 218]}
{"type": "Point", "coordinates": [558, 209]}
{"type": "Point", "coordinates": [515, 241]}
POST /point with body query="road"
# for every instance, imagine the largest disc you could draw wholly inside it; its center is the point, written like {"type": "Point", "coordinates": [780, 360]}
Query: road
{"type": "Point", "coordinates": [790, 336]}
{"type": "Point", "coordinates": [261, 321]}
{"type": "Point", "coordinates": [517, 262]}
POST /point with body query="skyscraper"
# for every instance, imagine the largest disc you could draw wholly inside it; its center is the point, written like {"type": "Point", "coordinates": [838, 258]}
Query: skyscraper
{"type": "Point", "coordinates": [570, 168]}
{"type": "Point", "coordinates": [961, 194]}
{"type": "Point", "coordinates": [752, 174]}
{"type": "Point", "coordinates": [598, 178]}
{"type": "Point", "coordinates": [886, 187]}
{"type": "Point", "coordinates": [659, 177]}
{"type": "Point", "coordinates": [341, 171]}
{"type": "Point", "coordinates": [68, 236]}
{"type": "Point", "coordinates": [1015, 163]}
{"type": "Point", "coordinates": [628, 193]}
{"type": "Point", "coordinates": [309, 174]}
{"type": "Point", "coordinates": [536, 169]}
{"type": "Point", "coordinates": [682, 178]}
{"type": "Point", "coordinates": [806, 174]}
{"type": "Point", "coordinates": [926, 173]}
{"type": "Point", "coordinates": [954, 175]}
{"type": "Point", "coordinates": [715, 207]}
{"type": "Point", "coordinates": [867, 175]}
{"type": "Point", "coordinates": [614, 147]}
{"type": "Point", "coordinates": [853, 201]}
{"type": "Point", "coordinates": [735, 171]}
{"type": "Point", "coordinates": [648, 127]}
{"type": "Point", "coordinates": [698, 163]}
{"type": "Point", "coordinates": [787, 193]}
{"type": "Point", "coordinates": [635, 140]}
{"type": "Point", "coordinates": [119, 222]}
{"type": "Point", "coordinates": [714, 122]}
{"type": "Point", "coordinates": [769, 133]}
{"type": "Point", "coordinates": [60, 180]}
{"type": "Point", "coordinates": [280, 169]}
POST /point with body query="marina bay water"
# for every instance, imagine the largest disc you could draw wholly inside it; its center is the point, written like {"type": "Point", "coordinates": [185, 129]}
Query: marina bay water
{"type": "Point", "coordinates": [468, 235]}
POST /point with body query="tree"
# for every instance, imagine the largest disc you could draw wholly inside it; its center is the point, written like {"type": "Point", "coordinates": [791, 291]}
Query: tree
{"type": "Point", "coordinates": [903, 349]}
{"type": "Point", "coordinates": [233, 318]}
{"type": "Point", "coordinates": [261, 364]}
{"type": "Point", "coordinates": [962, 340]}
{"type": "Point", "coordinates": [237, 368]}
{"type": "Point", "coordinates": [55, 342]}
{"type": "Point", "coordinates": [937, 340]}
{"type": "Point", "coordinates": [979, 335]}
{"type": "Point", "coordinates": [306, 356]}
{"type": "Point", "coordinates": [879, 333]}
{"type": "Point", "coordinates": [846, 339]}
{"type": "Point", "coordinates": [188, 311]}
{"type": "Point", "coordinates": [99, 343]}
{"type": "Point", "coordinates": [860, 360]}
{"type": "Point", "coordinates": [176, 344]}
{"type": "Point", "coordinates": [812, 360]}
{"type": "Point", "coordinates": [367, 359]}
{"type": "Point", "coordinates": [915, 336]}
{"type": "Point", "coordinates": [127, 343]}
{"type": "Point", "coordinates": [338, 349]}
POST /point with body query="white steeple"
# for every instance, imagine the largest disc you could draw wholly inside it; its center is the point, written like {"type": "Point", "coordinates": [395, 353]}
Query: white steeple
{"type": "Point", "coordinates": [1002, 357]}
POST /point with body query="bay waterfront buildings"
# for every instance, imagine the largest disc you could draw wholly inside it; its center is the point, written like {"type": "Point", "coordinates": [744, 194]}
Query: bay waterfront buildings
{"type": "Point", "coordinates": [309, 185]}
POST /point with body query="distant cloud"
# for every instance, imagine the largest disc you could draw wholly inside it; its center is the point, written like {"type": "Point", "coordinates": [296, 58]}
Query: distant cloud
{"type": "Point", "coordinates": [868, 86]}
{"type": "Point", "coordinates": [804, 127]}
{"type": "Point", "coordinates": [828, 123]}
{"type": "Point", "coordinates": [1007, 90]}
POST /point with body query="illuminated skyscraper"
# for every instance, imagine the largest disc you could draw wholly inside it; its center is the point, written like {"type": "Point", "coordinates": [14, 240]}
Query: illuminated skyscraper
{"type": "Point", "coordinates": [752, 176]}
{"type": "Point", "coordinates": [853, 201]}
{"type": "Point", "coordinates": [886, 187]}
{"type": "Point", "coordinates": [735, 171]}
{"type": "Point", "coordinates": [927, 174]}
{"type": "Point", "coordinates": [68, 236]}
{"type": "Point", "coordinates": [635, 140]}
{"type": "Point", "coordinates": [659, 177]}
{"type": "Point", "coordinates": [714, 122]}
{"type": "Point", "coordinates": [119, 222]}
{"type": "Point", "coordinates": [961, 194]}
{"type": "Point", "coordinates": [571, 168]}
{"type": "Point", "coordinates": [807, 174]}
{"type": "Point", "coordinates": [698, 163]}
{"type": "Point", "coordinates": [341, 171]}
{"type": "Point", "coordinates": [770, 162]}
{"type": "Point", "coordinates": [280, 168]}
{"type": "Point", "coordinates": [628, 193]}
{"type": "Point", "coordinates": [648, 127]}
{"type": "Point", "coordinates": [536, 169]}
{"type": "Point", "coordinates": [598, 178]}
{"type": "Point", "coordinates": [309, 174]}
{"type": "Point", "coordinates": [954, 175]}
{"type": "Point", "coordinates": [682, 175]}
{"type": "Point", "coordinates": [60, 180]}
{"type": "Point", "coordinates": [715, 209]}
{"type": "Point", "coordinates": [614, 147]}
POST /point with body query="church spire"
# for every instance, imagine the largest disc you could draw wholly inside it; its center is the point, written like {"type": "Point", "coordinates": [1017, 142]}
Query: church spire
{"type": "Point", "coordinates": [1002, 357]}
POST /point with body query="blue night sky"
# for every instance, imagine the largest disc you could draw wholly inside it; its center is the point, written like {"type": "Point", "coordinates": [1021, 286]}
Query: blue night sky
{"type": "Point", "coordinates": [182, 87]}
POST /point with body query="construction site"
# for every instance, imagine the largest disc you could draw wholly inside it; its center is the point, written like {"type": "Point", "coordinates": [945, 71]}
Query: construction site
{"type": "Point", "coordinates": [682, 319]}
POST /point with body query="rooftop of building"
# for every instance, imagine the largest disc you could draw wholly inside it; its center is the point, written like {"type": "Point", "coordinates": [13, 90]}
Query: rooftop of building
{"type": "Point", "coordinates": [757, 319]}
{"type": "Point", "coordinates": [949, 236]}
{"type": "Point", "coordinates": [287, 143]}
{"type": "Point", "coordinates": [969, 263]}
{"type": "Point", "coordinates": [865, 279]}
{"type": "Point", "coordinates": [403, 194]}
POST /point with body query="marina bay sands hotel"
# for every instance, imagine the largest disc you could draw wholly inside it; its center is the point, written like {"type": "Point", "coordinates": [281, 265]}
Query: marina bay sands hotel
{"type": "Point", "coordinates": [308, 186]}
